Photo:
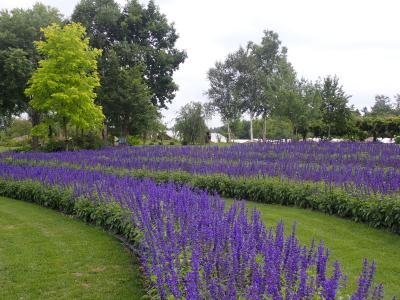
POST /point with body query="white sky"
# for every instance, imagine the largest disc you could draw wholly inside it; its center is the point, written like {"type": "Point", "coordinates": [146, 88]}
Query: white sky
{"type": "Point", "coordinates": [359, 41]}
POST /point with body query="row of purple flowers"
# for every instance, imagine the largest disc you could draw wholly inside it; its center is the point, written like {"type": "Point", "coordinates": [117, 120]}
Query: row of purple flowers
{"type": "Point", "coordinates": [192, 247]}
{"type": "Point", "coordinates": [368, 168]}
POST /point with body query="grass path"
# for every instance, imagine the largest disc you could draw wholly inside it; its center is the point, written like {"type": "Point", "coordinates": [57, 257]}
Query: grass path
{"type": "Point", "coordinates": [348, 241]}
{"type": "Point", "coordinates": [46, 255]}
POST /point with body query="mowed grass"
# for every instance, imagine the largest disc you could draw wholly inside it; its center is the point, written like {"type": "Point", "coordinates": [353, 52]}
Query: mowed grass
{"type": "Point", "coordinates": [348, 241]}
{"type": "Point", "coordinates": [46, 255]}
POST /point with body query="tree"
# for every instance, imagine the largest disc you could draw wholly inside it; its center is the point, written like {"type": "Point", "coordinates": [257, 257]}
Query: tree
{"type": "Point", "coordinates": [275, 74]}
{"type": "Point", "coordinates": [127, 99]}
{"type": "Point", "coordinates": [334, 110]}
{"type": "Point", "coordinates": [260, 72]}
{"type": "Point", "coordinates": [19, 28]}
{"type": "Point", "coordinates": [190, 124]}
{"type": "Point", "coordinates": [249, 82]}
{"type": "Point", "coordinates": [397, 104]}
{"type": "Point", "coordinates": [222, 93]}
{"type": "Point", "coordinates": [63, 85]}
{"type": "Point", "coordinates": [382, 106]}
{"type": "Point", "coordinates": [143, 29]}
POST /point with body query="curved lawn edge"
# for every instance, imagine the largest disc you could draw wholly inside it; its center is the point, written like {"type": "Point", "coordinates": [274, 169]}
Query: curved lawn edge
{"type": "Point", "coordinates": [47, 255]}
{"type": "Point", "coordinates": [348, 241]}
{"type": "Point", "coordinates": [111, 217]}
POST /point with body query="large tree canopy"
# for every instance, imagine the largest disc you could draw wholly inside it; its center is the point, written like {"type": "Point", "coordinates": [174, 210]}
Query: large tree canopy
{"type": "Point", "coordinates": [223, 98]}
{"type": "Point", "coordinates": [251, 79]}
{"type": "Point", "coordinates": [136, 33]}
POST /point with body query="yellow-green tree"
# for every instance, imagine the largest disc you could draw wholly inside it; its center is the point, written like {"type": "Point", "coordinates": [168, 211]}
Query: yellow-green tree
{"type": "Point", "coordinates": [63, 85]}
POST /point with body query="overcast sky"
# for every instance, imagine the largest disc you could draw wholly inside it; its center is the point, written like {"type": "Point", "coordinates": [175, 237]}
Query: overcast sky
{"type": "Point", "coordinates": [359, 41]}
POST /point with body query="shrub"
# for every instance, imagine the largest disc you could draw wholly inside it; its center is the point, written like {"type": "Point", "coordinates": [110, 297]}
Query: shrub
{"type": "Point", "coordinates": [54, 146]}
{"type": "Point", "coordinates": [134, 140]}
{"type": "Point", "coordinates": [88, 141]}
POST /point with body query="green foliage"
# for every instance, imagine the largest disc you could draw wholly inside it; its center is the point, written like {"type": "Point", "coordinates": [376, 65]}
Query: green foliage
{"type": "Point", "coordinates": [376, 211]}
{"type": "Point", "coordinates": [137, 65]}
{"type": "Point", "coordinates": [16, 133]}
{"type": "Point", "coordinates": [126, 99]}
{"type": "Point", "coordinates": [277, 128]}
{"type": "Point", "coordinates": [18, 56]}
{"type": "Point", "coordinates": [250, 80]}
{"type": "Point", "coordinates": [382, 107]}
{"type": "Point", "coordinates": [223, 98]}
{"type": "Point", "coordinates": [134, 140]}
{"type": "Point", "coordinates": [397, 140]}
{"type": "Point", "coordinates": [18, 128]}
{"type": "Point", "coordinates": [63, 85]}
{"type": "Point", "coordinates": [191, 125]}
{"type": "Point", "coordinates": [378, 126]}
{"type": "Point", "coordinates": [334, 109]}
{"type": "Point", "coordinates": [89, 141]}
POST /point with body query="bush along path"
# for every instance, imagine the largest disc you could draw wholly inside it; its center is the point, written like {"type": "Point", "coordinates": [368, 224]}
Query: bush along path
{"type": "Point", "coordinates": [376, 210]}
{"type": "Point", "coordinates": [47, 255]}
{"type": "Point", "coordinates": [188, 244]}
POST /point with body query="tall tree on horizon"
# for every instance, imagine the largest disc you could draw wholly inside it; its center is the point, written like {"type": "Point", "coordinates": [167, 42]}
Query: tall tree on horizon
{"type": "Point", "coordinates": [382, 106]}
{"type": "Point", "coordinates": [259, 72]}
{"type": "Point", "coordinates": [334, 109]}
{"type": "Point", "coordinates": [222, 93]}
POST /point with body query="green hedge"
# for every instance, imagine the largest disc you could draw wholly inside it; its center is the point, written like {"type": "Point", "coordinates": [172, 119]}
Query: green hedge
{"type": "Point", "coordinates": [378, 211]}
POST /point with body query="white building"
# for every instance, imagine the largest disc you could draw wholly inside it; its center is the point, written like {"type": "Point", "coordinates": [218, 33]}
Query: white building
{"type": "Point", "coordinates": [217, 138]}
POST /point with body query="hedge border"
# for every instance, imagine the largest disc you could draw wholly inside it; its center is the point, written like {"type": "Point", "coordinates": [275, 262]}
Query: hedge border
{"type": "Point", "coordinates": [378, 211]}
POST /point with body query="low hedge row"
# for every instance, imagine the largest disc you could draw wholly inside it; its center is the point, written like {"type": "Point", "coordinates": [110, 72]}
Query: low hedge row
{"type": "Point", "coordinates": [378, 211]}
{"type": "Point", "coordinates": [109, 216]}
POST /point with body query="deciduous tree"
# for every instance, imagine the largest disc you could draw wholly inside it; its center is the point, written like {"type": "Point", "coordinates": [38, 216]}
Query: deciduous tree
{"type": "Point", "coordinates": [19, 28]}
{"type": "Point", "coordinates": [63, 85]}
{"type": "Point", "coordinates": [190, 124]}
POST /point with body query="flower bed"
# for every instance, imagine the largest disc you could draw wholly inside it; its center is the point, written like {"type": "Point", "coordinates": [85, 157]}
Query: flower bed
{"type": "Point", "coordinates": [189, 244]}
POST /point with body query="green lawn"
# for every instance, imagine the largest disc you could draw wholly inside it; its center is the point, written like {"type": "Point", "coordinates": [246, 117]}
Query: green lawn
{"type": "Point", "coordinates": [46, 255]}
{"type": "Point", "coordinates": [348, 241]}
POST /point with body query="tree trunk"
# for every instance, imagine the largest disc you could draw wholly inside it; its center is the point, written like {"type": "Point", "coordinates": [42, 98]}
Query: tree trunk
{"type": "Point", "coordinates": [265, 128]}
{"type": "Point", "coordinates": [65, 132]}
{"type": "Point", "coordinates": [35, 120]}
{"type": "Point", "coordinates": [50, 135]}
{"type": "Point", "coordinates": [123, 134]}
{"type": "Point", "coordinates": [329, 131]}
{"type": "Point", "coordinates": [104, 132]}
{"type": "Point", "coordinates": [251, 127]}
{"type": "Point", "coordinates": [229, 132]}
{"type": "Point", "coordinates": [375, 136]}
